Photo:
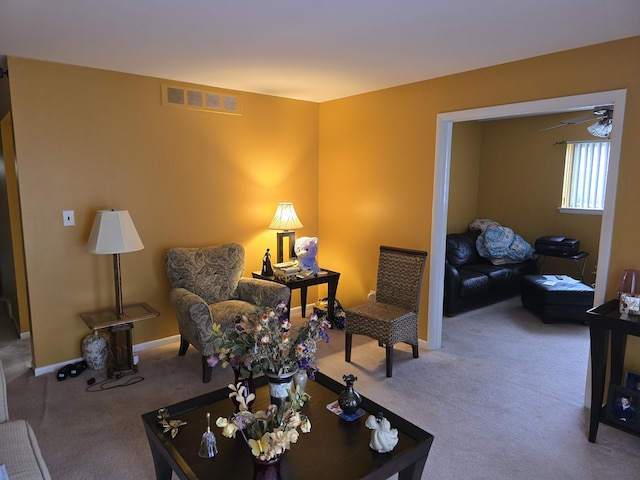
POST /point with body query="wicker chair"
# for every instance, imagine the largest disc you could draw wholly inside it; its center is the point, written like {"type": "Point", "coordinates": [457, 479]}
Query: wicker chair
{"type": "Point", "coordinates": [393, 317]}
{"type": "Point", "coordinates": [207, 286]}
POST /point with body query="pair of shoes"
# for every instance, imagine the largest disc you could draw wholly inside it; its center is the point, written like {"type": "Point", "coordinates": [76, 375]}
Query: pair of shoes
{"type": "Point", "coordinates": [78, 368]}
{"type": "Point", "coordinates": [72, 370]}
{"type": "Point", "coordinates": [64, 372]}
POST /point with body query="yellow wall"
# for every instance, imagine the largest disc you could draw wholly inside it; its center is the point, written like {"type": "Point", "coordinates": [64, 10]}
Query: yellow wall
{"type": "Point", "coordinates": [14, 285]}
{"type": "Point", "coordinates": [90, 139]}
{"type": "Point", "coordinates": [379, 149]}
{"type": "Point", "coordinates": [466, 156]}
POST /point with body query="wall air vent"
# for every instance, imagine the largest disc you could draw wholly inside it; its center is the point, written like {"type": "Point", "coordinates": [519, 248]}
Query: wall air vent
{"type": "Point", "coordinates": [200, 99]}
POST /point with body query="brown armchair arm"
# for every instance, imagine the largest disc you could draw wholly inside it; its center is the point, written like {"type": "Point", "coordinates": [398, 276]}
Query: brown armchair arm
{"type": "Point", "coordinates": [262, 292]}
{"type": "Point", "coordinates": [194, 319]}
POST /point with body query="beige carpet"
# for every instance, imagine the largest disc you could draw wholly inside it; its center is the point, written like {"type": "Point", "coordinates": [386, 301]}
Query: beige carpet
{"type": "Point", "coordinates": [503, 398]}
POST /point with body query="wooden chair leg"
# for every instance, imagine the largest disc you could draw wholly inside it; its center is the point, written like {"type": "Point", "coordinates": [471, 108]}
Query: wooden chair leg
{"type": "Point", "coordinates": [348, 340]}
{"type": "Point", "coordinates": [389, 355]}
{"type": "Point", "coordinates": [415, 351]}
{"type": "Point", "coordinates": [206, 370]}
{"type": "Point", "coordinates": [184, 345]}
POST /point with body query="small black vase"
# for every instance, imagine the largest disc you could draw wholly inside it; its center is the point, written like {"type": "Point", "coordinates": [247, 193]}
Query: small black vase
{"type": "Point", "coordinates": [349, 400]}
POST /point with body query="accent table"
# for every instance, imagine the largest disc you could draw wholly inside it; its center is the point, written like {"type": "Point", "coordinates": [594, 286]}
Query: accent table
{"type": "Point", "coordinates": [334, 448]}
{"type": "Point", "coordinates": [330, 278]}
{"type": "Point", "coordinates": [605, 321]}
{"type": "Point", "coordinates": [120, 343]}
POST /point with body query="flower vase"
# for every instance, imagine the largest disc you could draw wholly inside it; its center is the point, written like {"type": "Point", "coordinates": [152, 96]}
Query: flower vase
{"type": "Point", "coordinates": [279, 386]}
{"type": "Point", "coordinates": [248, 385]}
{"type": "Point", "coordinates": [300, 379]}
{"type": "Point", "coordinates": [266, 469]}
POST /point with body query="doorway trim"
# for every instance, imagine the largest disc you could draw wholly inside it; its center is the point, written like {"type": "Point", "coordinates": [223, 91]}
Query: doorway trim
{"type": "Point", "coordinates": [444, 130]}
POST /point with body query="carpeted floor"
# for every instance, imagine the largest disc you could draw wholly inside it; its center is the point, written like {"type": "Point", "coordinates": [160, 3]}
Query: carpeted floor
{"type": "Point", "coordinates": [503, 398]}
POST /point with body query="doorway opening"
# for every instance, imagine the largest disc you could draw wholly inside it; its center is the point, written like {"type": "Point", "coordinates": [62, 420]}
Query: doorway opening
{"type": "Point", "coordinates": [444, 129]}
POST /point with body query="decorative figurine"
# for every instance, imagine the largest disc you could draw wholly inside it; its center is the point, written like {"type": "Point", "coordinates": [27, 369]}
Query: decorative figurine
{"type": "Point", "coordinates": [267, 271]}
{"type": "Point", "coordinates": [169, 425]}
{"type": "Point", "coordinates": [306, 249]}
{"type": "Point", "coordinates": [383, 437]}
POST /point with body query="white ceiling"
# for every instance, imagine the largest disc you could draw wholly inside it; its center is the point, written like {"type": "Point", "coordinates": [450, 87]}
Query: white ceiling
{"type": "Point", "coordinates": [314, 50]}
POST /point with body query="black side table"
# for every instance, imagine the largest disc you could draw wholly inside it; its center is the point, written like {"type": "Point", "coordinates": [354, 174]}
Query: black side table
{"type": "Point", "coordinates": [606, 321]}
{"type": "Point", "coordinates": [330, 278]}
{"type": "Point", "coordinates": [577, 258]}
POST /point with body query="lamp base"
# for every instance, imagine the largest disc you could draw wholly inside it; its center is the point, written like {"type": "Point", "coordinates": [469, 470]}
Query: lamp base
{"type": "Point", "coordinates": [121, 346]}
{"type": "Point", "coordinates": [292, 243]}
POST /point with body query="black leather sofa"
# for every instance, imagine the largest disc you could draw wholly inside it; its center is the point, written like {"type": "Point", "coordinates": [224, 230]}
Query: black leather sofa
{"type": "Point", "coordinates": [471, 281]}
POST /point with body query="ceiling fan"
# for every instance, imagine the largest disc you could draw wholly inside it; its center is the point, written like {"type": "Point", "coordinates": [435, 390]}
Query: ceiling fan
{"type": "Point", "coordinates": [602, 127]}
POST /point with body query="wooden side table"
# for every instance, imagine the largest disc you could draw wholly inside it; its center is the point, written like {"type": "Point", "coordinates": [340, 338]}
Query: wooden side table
{"type": "Point", "coordinates": [606, 321]}
{"type": "Point", "coordinates": [330, 278]}
{"type": "Point", "coordinates": [121, 342]}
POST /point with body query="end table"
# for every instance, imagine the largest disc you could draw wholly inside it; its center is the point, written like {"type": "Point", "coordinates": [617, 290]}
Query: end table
{"type": "Point", "coordinates": [121, 342]}
{"type": "Point", "coordinates": [608, 327]}
{"type": "Point", "coordinates": [330, 278]}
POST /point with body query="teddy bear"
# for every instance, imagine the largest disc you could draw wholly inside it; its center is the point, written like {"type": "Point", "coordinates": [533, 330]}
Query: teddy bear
{"type": "Point", "coordinates": [306, 249]}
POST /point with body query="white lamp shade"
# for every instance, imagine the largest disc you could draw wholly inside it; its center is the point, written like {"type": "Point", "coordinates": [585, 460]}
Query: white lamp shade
{"type": "Point", "coordinates": [601, 129]}
{"type": "Point", "coordinates": [285, 218]}
{"type": "Point", "coordinates": [113, 232]}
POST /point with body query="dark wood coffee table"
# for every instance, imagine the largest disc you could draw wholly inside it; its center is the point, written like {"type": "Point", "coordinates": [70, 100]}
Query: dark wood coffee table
{"type": "Point", "coordinates": [334, 448]}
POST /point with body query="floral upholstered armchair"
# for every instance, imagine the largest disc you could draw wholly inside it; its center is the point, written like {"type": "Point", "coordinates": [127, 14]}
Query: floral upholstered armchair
{"type": "Point", "coordinates": [207, 287]}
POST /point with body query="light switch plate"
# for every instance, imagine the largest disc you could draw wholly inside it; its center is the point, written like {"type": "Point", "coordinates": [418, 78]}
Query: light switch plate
{"type": "Point", "coordinates": [68, 218]}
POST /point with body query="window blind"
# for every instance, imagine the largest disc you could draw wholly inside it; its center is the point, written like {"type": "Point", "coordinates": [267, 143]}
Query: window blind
{"type": "Point", "coordinates": [585, 175]}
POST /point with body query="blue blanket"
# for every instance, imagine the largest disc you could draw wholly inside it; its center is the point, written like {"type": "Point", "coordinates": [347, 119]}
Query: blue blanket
{"type": "Point", "coordinates": [500, 245]}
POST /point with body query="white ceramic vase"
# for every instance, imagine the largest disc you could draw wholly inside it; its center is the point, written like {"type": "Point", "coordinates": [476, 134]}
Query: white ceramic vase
{"type": "Point", "coordinates": [95, 350]}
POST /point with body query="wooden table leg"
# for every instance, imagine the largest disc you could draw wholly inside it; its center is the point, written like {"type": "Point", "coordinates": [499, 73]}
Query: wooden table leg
{"type": "Point", "coordinates": [413, 471]}
{"type": "Point", "coordinates": [163, 469]}
{"type": "Point", "coordinates": [599, 347]}
{"type": "Point", "coordinates": [303, 301]}
{"type": "Point", "coordinates": [332, 288]}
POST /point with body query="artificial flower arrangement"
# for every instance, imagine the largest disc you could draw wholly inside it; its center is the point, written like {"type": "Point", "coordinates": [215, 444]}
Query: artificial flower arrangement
{"type": "Point", "coordinates": [268, 342]}
{"type": "Point", "coordinates": [268, 433]}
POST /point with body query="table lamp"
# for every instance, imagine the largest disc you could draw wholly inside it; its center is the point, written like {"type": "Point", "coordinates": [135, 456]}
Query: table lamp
{"type": "Point", "coordinates": [286, 220]}
{"type": "Point", "coordinates": [113, 233]}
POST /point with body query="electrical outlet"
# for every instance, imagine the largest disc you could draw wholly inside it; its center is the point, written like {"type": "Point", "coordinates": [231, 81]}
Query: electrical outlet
{"type": "Point", "coordinates": [68, 218]}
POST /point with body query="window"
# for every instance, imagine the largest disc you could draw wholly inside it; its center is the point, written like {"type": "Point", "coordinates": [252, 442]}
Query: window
{"type": "Point", "coordinates": [585, 176]}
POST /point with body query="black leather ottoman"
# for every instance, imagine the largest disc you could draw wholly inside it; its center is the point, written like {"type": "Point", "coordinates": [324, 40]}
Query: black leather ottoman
{"type": "Point", "coordinates": [556, 297]}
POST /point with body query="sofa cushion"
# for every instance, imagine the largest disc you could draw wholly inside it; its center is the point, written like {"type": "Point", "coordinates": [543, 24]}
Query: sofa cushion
{"type": "Point", "coordinates": [461, 248]}
{"type": "Point", "coordinates": [472, 282]}
{"type": "Point", "coordinates": [20, 453]}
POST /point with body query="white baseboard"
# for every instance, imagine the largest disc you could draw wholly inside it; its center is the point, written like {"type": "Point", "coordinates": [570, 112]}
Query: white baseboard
{"type": "Point", "coordinates": [136, 348]}
{"type": "Point", "coordinates": [156, 343]}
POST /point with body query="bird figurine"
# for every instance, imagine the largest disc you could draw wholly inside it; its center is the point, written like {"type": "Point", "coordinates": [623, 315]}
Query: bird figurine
{"type": "Point", "coordinates": [383, 437]}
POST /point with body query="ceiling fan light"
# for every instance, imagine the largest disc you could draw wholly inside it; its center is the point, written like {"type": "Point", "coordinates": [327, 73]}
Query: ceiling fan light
{"type": "Point", "coordinates": [601, 129]}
